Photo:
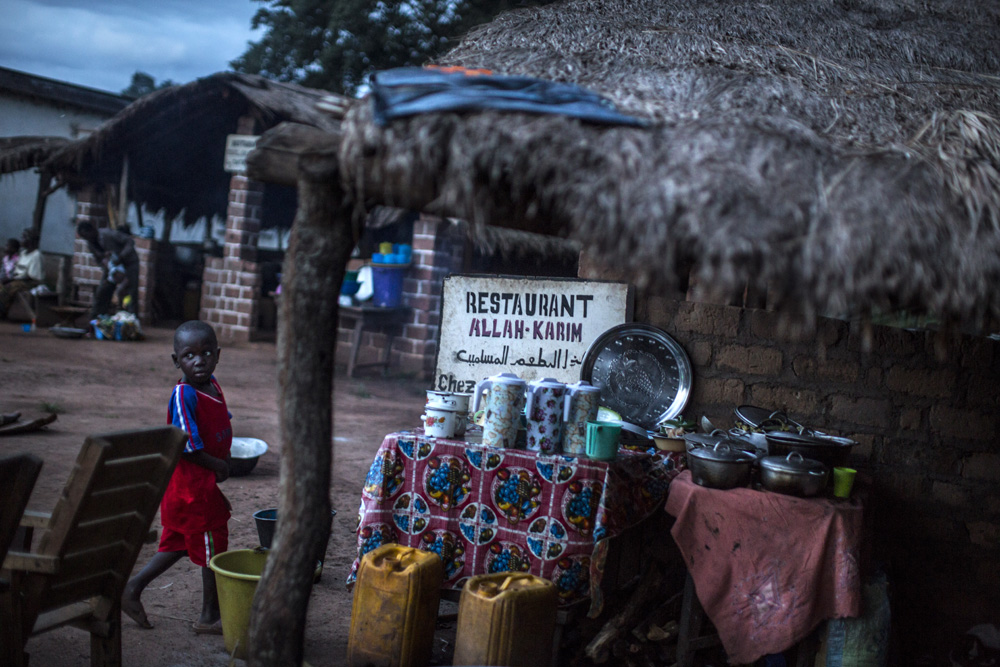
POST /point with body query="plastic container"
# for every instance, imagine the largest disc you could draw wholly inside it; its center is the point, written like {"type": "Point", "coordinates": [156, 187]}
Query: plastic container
{"type": "Point", "coordinates": [387, 284]}
{"type": "Point", "coordinates": [236, 576]}
{"type": "Point", "coordinates": [506, 619]}
{"type": "Point", "coordinates": [395, 607]}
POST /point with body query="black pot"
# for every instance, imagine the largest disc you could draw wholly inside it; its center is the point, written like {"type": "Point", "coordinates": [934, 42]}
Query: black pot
{"type": "Point", "coordinates": [829, 450]}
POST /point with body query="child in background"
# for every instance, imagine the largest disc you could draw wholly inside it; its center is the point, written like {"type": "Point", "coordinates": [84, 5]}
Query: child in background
{"type": "Point", "coordinates": [194, 511]}
{"type": "Point", "coordinates": [10, 255]}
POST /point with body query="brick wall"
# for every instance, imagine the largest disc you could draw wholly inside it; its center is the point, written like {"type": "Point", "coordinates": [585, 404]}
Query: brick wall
{"type": "Point", "coordinates": [87, 272]}
{"type": "Point", "coordinates": [925, 411]}
{"type": "Point", "coordinates": [438, 248]}
{"type": "Point", "coordinates": [230, 286]}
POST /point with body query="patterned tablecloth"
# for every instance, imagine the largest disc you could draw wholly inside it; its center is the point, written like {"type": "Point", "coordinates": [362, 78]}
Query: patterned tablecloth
{"type": "Point", "coordinates": [484, 509]}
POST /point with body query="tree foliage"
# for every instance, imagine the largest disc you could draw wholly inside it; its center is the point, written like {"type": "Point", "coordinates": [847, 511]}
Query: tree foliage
{"type": "Point", "coordinates": [335, 44]}
{"type": "Point", "coordinates": [143, 84]}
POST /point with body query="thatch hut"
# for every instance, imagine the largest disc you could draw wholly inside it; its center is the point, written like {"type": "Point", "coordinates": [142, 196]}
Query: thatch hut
{"type": "Point", "coordinates": [822, 164]}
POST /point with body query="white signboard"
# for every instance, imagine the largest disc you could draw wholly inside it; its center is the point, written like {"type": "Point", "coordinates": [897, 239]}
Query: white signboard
{"type": "Point", "coordinates": [238, 146]}
{"type": "Point", "coordinates": [532, 327]}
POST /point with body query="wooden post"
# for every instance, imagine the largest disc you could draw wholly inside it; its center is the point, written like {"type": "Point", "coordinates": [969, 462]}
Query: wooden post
{"type": "Point", "coordinates": [318, 251]}
{"type": "Point", "coordinates": [41, 197]}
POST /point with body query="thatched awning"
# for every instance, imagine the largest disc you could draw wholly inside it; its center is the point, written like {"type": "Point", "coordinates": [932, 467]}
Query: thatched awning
{"type": "Point", "coordinates": [22, 153]}
{"type": "Point", "coordinates": [175, 142]}
{"type": "Point", "coordinates": [843, 156]}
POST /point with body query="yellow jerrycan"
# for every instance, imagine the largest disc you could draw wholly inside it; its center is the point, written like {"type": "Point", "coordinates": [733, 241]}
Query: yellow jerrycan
{"type": "Point", "coordinates": [395, 607]}
{"type": "Point", "coordinates": [506, 619]}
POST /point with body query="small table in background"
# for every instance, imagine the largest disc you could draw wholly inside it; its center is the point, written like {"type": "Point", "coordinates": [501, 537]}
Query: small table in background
{"type": "Point", "coordinates": [371, 317]}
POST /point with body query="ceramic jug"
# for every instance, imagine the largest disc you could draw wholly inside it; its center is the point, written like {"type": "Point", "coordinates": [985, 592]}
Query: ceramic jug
{"type": "Point", "coordinates": [504, 404]}
{"type": "Point", "coordinates": [544, 411]}
{"type": "Point", "coordinates": [580, 405]}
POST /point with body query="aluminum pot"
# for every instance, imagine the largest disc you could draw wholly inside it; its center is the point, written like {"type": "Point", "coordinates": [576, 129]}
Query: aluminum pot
{"type": "Point", "coordinates": [793, 475]}
{"type": "Point", "coordinates": [720, 466]}
{"type": "Point", "coordinates": [829, 450]}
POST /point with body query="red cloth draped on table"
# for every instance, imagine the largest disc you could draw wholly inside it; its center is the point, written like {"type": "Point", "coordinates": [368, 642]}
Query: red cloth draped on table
{"type": "Point", "coordinates": [484, 509]}
{"type": "Point", "coordinates": [768, 568]}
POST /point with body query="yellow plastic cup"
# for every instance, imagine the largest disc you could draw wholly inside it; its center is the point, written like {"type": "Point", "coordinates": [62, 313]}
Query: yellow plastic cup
{"type": "Point", "coordinates": [843, 481]}
{"type": "Point", "coordinates": [385, 248]}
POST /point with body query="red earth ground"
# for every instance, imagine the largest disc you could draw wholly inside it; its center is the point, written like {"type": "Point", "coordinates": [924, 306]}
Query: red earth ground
{"type": "Point", "coordinates": [98, 387]}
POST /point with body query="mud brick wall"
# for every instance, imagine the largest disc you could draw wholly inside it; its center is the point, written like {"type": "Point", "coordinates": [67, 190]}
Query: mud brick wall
{"type": "Point", "coordinates": [925, 410]}
{"type": "Point", "coordinates": [230, 287]}
{"type": "Point", "coordinates": [438, 249]}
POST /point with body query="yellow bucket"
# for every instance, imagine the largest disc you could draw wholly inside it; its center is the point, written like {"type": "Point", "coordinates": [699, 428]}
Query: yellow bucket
{"type": "Point", "coordinates": [236, 575]}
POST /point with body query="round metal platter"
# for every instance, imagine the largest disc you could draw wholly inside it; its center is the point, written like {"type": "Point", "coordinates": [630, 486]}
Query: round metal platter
{"type": "Point", "coordinates": [643, 373]}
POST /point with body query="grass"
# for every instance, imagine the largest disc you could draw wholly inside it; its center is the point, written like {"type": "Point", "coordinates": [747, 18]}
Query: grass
{"type": "Point", "coordinates": [51, 408]}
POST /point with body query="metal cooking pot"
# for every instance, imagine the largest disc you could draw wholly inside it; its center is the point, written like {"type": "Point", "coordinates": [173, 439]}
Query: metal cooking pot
{"type": "Point", "coordinates": [792, 474]}
{"type": "Point", "coordinates": [720, 466]}
{"type": "Point", "coordinates": [829, 450]}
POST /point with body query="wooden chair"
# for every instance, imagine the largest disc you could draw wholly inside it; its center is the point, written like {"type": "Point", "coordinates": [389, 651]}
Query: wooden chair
{"type": "Point", "coordinates": [17, 478]}
{"type": "Point", "coordinates": [91, 542]}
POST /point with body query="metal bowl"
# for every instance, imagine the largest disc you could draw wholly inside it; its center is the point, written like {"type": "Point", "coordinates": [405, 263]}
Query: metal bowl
{"type": "Point", "coordinates": [244, 455]}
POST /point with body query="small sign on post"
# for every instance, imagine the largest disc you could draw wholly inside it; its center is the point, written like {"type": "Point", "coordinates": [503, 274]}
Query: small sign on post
{"type": "Point", "coordinates": [238, 146]}
{"type": "Point", "coordinates": [533, 327]}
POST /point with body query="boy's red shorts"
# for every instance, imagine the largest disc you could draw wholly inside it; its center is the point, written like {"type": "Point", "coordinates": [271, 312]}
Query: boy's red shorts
{"type": "Point", "coordinates": [200, 547]}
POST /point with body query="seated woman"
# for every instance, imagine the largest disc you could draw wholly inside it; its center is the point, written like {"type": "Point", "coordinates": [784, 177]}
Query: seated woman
{"type": "Point", "coordinates": [27, 271]}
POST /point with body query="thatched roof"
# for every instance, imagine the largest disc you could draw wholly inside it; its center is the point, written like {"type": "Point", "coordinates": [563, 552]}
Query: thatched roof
{"type": "Point", "coordinates": [28, 152]}
{"type": "Point", "coordinates": [844, 154]}
{"type": "Point", "coordinates": [175, 142]}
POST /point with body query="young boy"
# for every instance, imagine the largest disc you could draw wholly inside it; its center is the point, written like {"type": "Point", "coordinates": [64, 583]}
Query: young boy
{"type": "Point", "coordinates": [194, 511]}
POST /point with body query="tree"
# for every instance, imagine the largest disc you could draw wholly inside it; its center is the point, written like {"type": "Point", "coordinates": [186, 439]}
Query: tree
{"type": "Point", "coordinates": [335, 44]}
{"type": "Point", "coordinates": [143, 84]}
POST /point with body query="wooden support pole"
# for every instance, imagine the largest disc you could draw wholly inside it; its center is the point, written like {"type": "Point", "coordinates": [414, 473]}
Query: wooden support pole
{"type": "Point", "coordinates": [41, 197]}
{"type": "Point", "coordinates": [320, 245]}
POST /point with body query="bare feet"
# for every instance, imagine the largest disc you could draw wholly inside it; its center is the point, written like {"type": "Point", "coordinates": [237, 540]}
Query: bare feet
{"type": "Point", "coordinates": [133, 608]}
{"type": "Point", "coordinates": [9, 418]}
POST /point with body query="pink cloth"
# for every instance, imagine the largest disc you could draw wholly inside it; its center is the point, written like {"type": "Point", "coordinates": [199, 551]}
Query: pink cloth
{"type": "Point", "coordinates": [767, 568]}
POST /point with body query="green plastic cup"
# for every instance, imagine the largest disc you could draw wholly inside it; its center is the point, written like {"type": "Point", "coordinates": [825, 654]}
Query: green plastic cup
{"type": "Point", "coordinates": [843, 482]}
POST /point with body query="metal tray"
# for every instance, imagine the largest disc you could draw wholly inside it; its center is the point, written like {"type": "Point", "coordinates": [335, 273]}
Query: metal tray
{"type": "Point", "coordinates": [643, 373]}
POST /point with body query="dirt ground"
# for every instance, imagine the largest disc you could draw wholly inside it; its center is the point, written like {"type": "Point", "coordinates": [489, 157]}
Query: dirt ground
{"type": "Point", "coordinates": [97, 387]}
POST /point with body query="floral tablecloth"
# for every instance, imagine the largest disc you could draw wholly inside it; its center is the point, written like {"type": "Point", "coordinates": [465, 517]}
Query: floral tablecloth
{"type": "Point", "coordinates": [485, 509]}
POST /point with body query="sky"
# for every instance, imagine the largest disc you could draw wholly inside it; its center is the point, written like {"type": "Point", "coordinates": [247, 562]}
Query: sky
{"type": "Point", "coordinates": [102, 43]}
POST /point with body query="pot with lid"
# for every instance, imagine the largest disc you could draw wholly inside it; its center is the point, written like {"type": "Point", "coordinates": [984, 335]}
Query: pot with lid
{"type": "Point", "coordinates": [829, 450]}
{"type": "Point", "coordinates": [793, 474]}
{"type": "Point", "coordinates": [720, 466]}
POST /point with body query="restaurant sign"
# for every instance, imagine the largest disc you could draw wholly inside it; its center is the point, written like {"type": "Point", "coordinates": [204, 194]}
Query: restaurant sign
{"type": "Point", "coordinates": [532, 327]}
{"type": "Point", "coordinates": [238, 146]}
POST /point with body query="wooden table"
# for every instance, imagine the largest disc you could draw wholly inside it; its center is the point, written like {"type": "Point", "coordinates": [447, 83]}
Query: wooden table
{"type": "Point", "coordinates": [373, 317]}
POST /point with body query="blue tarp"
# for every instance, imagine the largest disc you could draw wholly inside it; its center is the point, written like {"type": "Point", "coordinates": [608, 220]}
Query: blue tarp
{"type": "Point", "coordinates": [408, 91]}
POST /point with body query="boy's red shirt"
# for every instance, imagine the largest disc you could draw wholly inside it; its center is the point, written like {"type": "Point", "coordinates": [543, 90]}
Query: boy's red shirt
{"type": "Point", "coordinates": [193, 502]}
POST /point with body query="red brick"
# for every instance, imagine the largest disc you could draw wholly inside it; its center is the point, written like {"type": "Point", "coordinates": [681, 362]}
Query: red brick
{"type": "Point", "coordinates": [935, 383]}
{"type": "Point", "coordinates": [983, 390]}
{"type": "Point", "coordinates": [984, 534]}
{"type": "Point", "coordinates": [752, 360]}
{"type": "Point", "coordinates": [884, 341]}
{"type": "Point", "coordinates": [708, 319]}
{"type": "Point", "coordinates": [910, 419]}
{"type": "Point", "coordinates": [792, 401]}
{"type": "Point", "coordinates": [951, 495]}
{"type": "Point", "coordinates": [965, 424]}
{"type": "Point", "coordinates": [866, 411]}
{"type": "Point", "coordinates": [982, 466]}
{"type": "Point", "coordinates": [700, 353]}
{"type": "Point", "coordinates": [716, 391]}
{"type": "Point", "coordinates": [831, 370]}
